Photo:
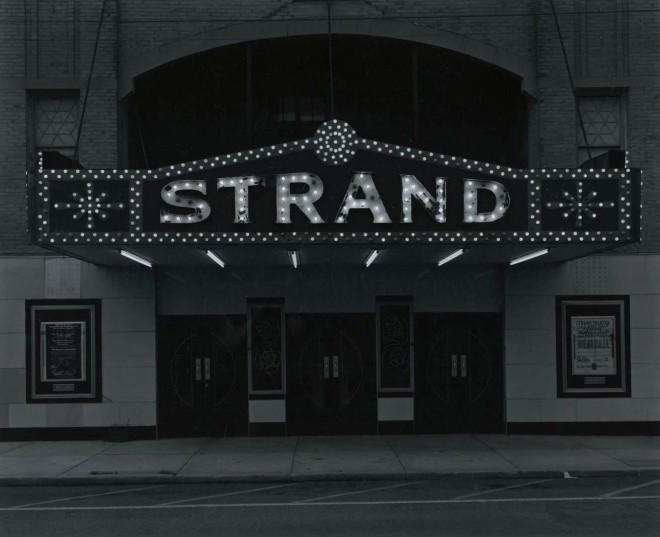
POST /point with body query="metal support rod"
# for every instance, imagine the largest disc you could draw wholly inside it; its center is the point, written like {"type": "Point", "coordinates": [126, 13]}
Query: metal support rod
{"type": "Point", "coordinates": [570, 78]}
{"type": "Point", "coordinates": [331, 82]}
{"type": "Point", "coordinates": [89, 82]}
{"type": "Point", "coordinates": [136, 111]}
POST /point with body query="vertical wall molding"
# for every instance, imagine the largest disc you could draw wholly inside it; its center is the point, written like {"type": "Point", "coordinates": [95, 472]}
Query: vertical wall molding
{"type": "Point", "coordinates": [31, 59]}
{"type": "Point", "coordinates": [623, 23]}
{"type": "Point", "coordinates": [578, 37]}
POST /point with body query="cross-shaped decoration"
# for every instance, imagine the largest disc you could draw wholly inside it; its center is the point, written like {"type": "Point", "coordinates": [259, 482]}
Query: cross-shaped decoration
{"type": "Point", "coordinates": [89, 205]}
{"type": "Point", "coordinates": [580, 204]}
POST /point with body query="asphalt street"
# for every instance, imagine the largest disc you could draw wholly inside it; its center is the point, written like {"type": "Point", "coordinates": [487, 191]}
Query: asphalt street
{"type": "Point", "coordinates": [598, 506]}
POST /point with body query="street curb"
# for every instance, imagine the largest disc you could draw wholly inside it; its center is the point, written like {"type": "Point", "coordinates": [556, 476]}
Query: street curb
{"type": "Point", "coordinates": [169, 479]}
{"type": "Point", "coordinates": [199, 479]}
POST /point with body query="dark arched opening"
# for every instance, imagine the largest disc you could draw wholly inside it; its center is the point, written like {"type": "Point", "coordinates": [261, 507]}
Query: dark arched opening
{"type": "Point", "coordinates": [270, 91]}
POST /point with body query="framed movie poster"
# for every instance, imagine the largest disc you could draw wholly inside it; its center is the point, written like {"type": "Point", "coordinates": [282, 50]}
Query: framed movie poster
{"type": "Point", "coordinates": [63, 350]}
{"type": "Point", "coordinates": [593, 346]}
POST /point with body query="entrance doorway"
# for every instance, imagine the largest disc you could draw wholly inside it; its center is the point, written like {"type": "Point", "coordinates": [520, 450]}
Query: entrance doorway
{"type": "Point", "coordinates": [202, 375]}
{"type": "Point", "coordinates": [459, 373]}
{"type": "Point", "coordinates": [331, 374]}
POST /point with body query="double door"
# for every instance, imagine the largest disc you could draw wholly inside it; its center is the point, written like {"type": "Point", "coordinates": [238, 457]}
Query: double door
{"type": "Point", "coordinates": [202, 375]}
{"type": "Point", "coordinates": [331, 374]}
{"type": "Point", "coordinates": [459, 373]}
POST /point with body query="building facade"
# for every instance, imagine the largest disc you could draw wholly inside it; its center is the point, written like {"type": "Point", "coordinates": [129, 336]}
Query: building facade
{"type": "Point", "coordinates": [346, 217]}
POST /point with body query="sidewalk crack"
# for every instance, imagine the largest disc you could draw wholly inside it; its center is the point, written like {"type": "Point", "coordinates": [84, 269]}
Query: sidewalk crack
{"type": "Point", "coordinates": [389, 444]}
{"type": "Point", "coordinates": [15, 447]}
{"type": "Point", "coordinates": [85, 460]}
{"type": "Point", "coordinates": [191, 456]}
{"type": "Point", "coordinates": [497, 452]}
{"type": "Point", "coordinates": [293, 459]}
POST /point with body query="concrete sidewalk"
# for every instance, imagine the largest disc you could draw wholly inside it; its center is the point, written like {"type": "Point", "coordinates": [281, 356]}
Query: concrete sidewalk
{"type": "Point", "coordinates": [322, 458]}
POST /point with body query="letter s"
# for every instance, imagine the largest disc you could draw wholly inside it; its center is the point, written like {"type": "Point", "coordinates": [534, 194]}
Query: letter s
{"type": "Point", "coordinates": [170, 195]}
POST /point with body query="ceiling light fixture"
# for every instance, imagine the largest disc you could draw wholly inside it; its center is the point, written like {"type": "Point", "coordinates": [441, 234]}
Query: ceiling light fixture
{"type": "Point", "coordinates": [136, 258]}
{"type": "Point", "coordinates": [215, 257]}
{"type": "Point", "coordinates": [527, 257]}
{"type": "Point", "coordinates": [372, 256]}
{"type": "Point", "coordinates": [294, 258]}
{"type": "Point", "coordinates": [449, 257]}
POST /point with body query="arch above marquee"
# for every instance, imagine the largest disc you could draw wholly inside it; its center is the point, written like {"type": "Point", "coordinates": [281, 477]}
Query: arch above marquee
{"type": "Point", "coordinates": [407, 31]}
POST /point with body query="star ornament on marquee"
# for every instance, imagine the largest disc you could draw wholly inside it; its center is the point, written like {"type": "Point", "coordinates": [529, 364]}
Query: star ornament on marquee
{"type": "Point", "coordinates": [335, 142]}
{"type": "Point", "coordinates": [90, 205]}
{"type": "Point", "coordinates": [583, 206]}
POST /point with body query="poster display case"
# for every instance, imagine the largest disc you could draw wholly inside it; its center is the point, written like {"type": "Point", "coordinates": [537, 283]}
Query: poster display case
{"type": "Point", "coordinates": [593, 346]}
{"type": "Point", "coordinates": [63, 358]}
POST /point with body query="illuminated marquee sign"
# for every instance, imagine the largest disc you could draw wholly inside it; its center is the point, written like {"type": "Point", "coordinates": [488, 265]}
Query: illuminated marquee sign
{"type": "Point", "coordinates": [335, 187]}
{"type": "Point", "coordinates": [361, 194]}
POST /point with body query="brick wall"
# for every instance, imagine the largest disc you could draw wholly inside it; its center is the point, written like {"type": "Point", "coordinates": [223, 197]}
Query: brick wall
{"type": "Point", "coordinates": [618, 48]}
{"type": "Point", "coordinates": [12, 127]}
{"type": "Point", "coordinates": [48, 44]}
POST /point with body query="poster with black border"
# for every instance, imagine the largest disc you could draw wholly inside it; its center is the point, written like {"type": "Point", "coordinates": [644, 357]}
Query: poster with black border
{"type": "Point", "coordinates": [63, 351]}
{"type": "Point", "coordinates": [593, 346]}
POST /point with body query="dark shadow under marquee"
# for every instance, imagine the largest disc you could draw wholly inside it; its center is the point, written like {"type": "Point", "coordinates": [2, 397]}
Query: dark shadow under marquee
{"type": "Point", "coordinates": [545, 206]}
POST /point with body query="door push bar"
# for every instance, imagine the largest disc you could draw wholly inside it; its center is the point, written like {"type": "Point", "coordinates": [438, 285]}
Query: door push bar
{"type": "Point", "coordinates": [326, 367]}
{"type": "Point", "coordinates": [454, 365]}
{"type": "Point", "coordinates": [207, 369]}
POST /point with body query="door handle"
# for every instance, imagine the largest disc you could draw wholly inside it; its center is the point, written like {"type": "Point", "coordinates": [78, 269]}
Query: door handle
{"type": "Point", "coordinates": [207, 368]}
{"type": "Point", "coordinates": [463, 365]}
{"type": "Point", "coordinates": [326, 367]}
{"type": "Point", "coordinates": [335, 366]}
{"type": "Point", "coordinates": [198, 369]}
{"type": "Point", "coordinates": [454, 365]}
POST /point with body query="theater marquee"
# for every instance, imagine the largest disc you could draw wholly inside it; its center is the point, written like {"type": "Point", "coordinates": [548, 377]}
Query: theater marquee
{"type": "Point", "coordinates": [335, 188]}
